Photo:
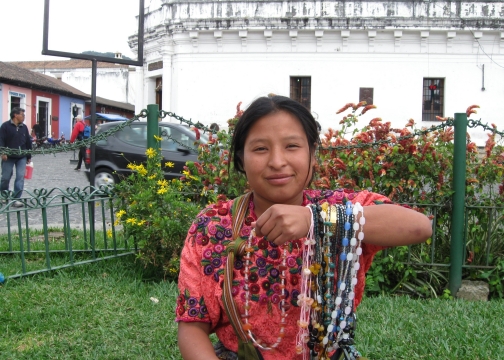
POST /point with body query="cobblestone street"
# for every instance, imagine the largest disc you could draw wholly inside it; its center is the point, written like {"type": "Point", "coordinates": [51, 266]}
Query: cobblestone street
{"type": "Point", "coordinates": [52, 171]}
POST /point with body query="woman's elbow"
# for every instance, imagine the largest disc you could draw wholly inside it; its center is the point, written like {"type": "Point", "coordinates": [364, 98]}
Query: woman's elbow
{"type": "Point", "coordinates": [422, 230]}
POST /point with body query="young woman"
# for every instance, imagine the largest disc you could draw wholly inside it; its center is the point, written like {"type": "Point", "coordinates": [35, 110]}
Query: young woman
{"type": "Point", "coordinates": [274, 145]}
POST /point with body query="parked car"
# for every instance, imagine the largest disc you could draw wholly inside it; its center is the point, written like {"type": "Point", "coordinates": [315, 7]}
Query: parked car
{"type": "Point", "coordinates": [128, 145]}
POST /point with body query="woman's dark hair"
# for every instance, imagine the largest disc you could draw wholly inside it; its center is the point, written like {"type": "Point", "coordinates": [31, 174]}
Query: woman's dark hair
{"type": "Point", "coordinates": [268, 105]}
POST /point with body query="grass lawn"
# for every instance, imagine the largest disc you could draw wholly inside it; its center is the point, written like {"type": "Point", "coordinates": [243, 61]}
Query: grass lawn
{"type": "Point", "coordinates": [104, 311]}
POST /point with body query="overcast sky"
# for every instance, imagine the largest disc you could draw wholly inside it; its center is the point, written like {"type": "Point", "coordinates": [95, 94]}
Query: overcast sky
{"type": "Point", "coordinates": [74, 26]}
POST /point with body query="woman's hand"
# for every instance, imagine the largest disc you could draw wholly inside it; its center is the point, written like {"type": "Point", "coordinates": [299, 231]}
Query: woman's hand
{"type": "Point", "coordinates": [281, 223]}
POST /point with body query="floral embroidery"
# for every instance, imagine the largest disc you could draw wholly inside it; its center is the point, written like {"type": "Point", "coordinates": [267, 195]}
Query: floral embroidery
{"type": "Point", "coordinates": [194, 307]}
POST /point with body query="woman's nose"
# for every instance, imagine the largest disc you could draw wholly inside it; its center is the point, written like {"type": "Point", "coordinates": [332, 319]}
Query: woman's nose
{"type": "Point", "coordinates": [277, 158]}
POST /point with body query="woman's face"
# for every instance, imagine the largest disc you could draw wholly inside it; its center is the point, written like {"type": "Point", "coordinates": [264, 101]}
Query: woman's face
{"type": "Point", "coordinates": [276, 160]}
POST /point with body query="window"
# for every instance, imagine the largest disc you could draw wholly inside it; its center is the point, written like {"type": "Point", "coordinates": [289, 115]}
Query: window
{"type": "Point", "coordinates": [433, 99]}
{"type": "Point", "coordinates": [173, 138]}
{"type": "Point", "coordinates": [366, 94]}
{"type": "Point", "coordinates": [300, 90]}
{"type": "Point", "coordinates": [15, 102]}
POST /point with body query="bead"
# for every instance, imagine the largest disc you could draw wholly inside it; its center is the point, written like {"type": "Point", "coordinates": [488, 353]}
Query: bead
{"type": "Point", "coordinates": [347, 226]}
{"type": "Point", "coordinates": [348, 310]}
{"type": "Point", "coordinates": [330, 328]}
{"type": "Point", "coordinates": [299, 349]}
{"type": "Point", "coordinates": [351, 295]}
{"type": "Point", "coordinates": [360, 236]}
{"type": "Point", "coordinates": [338, 300]}
{"type": "Point", "coordinates": [356, 266]}
{"type": "Point", "coordinates": [342, 286]}
{"type": "Point", "coordinates": [342, 324]}
{"type": "Point", "coordinates": [354, 281]}
{"type": "Point", "coordinates": [325, 340]}
{"type": "Point", "coordinates": [343, 256]}
{"type": "Point", "coordinates": [306, 272]}
{"type": "Point", "coordinates": [334, 314]}
{"type": "Point", "coordinates": [349, 256]}
{"type": "Point", "coordinates": [358, 251]}
{"type": "Point", "coordinates": [344, 242]}
{"type": "Point", "coordinates": [247, 327]}
{"type": "Point", "coordinates": [355, 226]}
{"type": "Point", "coordinates": [362, 220]}
{"type": "Point", "coordinates": [353, 242]}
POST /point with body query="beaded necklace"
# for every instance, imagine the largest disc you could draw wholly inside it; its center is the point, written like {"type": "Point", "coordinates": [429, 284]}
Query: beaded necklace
{"type": "Point", "coordinates": [249, 250]}
{"type": "Point", "coordinates": [337, 244]}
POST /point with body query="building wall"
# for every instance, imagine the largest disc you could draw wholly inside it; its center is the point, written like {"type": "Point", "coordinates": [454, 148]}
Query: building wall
{"type": "Point", "coordinates": [215, 54]}
{"type": "Point", "coordinates": [6, 104]}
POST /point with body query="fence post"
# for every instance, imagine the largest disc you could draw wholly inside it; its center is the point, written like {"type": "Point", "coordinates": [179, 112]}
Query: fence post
{"type": "Point", "coordinates": [458, 203]}
{"type": "Point", "coordinates": [152, 124]}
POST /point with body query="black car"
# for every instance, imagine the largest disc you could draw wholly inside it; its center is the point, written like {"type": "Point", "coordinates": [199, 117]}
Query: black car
{"type": "Point", "coordinates": [129, 144]}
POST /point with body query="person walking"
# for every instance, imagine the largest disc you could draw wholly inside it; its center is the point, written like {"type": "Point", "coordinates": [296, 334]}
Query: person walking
{"type": "Point", "coordinates": [14, 134]}
{"type": "Point", "coordinates": [78, 133]}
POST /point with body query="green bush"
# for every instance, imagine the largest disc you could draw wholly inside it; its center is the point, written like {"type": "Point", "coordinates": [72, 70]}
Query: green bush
{"type": "Point", "coordinates": [156, 214]}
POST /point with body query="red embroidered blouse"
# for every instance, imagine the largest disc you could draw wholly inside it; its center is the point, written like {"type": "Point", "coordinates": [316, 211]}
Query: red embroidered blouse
{"type": "Point", "coordinates": [202, 267]}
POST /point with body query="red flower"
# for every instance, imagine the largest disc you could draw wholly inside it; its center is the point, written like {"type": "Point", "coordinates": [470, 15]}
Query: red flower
{"type": "Point", "coordinates": [470, 110]}
{"type": "Point", "coordinates": [352, 105]}
{"type": "Point", "coordinates": [198, 135]}
{"type": "Point", "coordinates": [368, 107]}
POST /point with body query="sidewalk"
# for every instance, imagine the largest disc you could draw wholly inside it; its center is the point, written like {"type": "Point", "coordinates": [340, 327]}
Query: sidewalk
{"type": "Point", "coordinates": [52, 172]}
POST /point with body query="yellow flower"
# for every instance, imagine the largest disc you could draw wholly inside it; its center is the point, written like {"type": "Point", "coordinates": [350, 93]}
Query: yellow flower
{"type": "Point", "coordinates": [131, 166]}
{"type": "Point", "coordinates": [186, 173]}
{"type": "Point", "coordinates": [120, 213]}
{"type": "Point", "coordinates": [117, 222]}
{"type": "Point", "coordinates": [141, 222]}
{"type": "Point", "coordinates": [193, 177]}
{"type": "Point", "coordinates": [150, 152]}
{"type": "Point", "coordinates": [170, 165]}
{"type": "Point", "coordinates": [163, 182]}
{"type": "Point", "coordinates": [158, 138]}
{"type": "Point", "coordinates": [161, 190]}
{"type": "Point", "coordinates": [142, 171]}
{"type": "Point", "coordinates": [153, 176]}
{"type": "Point", "coordinates": [324, 206]}
{"type": "Point", "coordinates": [109, 233]}
{"type": "Point", "coordinates": [131, 221]}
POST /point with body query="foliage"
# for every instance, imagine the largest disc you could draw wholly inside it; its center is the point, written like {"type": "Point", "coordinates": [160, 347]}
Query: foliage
{"type": "Point", "coordinates": [213, 174]}
{"type": "Point", "coordinates": [155, 213]}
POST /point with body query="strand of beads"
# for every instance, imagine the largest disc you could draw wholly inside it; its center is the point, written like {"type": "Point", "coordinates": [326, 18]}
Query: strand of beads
{"type": "Point", "coordinates": [304, 300]}
{"type": "Point", "coordinates": [249, 250]}
{"type": "Point", "coordinates": [341, 329]}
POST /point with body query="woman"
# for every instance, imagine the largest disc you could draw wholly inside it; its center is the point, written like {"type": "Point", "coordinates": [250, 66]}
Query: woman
{"type": "Point", "coordinates": [274, 145]}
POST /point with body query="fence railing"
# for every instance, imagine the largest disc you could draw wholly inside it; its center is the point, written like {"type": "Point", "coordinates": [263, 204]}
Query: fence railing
{"type": "Point", "coordinates": [58, 228]}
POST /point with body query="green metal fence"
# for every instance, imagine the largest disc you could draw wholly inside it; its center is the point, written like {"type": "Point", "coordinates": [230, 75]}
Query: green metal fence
{"type": "Point", "coordinates": [59, 228]}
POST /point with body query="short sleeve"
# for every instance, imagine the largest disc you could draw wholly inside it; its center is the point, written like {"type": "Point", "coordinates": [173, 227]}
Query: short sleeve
{"type": "Point", "coordinates": [197, 300]}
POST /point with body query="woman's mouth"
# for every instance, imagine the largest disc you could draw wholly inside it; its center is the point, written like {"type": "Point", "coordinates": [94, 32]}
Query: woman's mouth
{"type": "Point", "coordinates": [279, 179]}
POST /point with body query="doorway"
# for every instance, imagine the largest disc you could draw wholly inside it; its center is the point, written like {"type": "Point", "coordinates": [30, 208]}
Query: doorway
{"type": "Point", "coordinates": [44, 116]}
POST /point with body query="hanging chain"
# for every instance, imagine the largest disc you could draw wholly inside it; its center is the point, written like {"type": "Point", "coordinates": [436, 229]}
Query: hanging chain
{"type": "Point", "coordinates": [163, 114]}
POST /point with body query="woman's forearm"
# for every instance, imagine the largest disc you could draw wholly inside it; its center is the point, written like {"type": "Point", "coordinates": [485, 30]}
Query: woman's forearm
{"type": "Point", "coordinates": [193, 341]}
{"type": "Point", "coordinates": [393, 225]}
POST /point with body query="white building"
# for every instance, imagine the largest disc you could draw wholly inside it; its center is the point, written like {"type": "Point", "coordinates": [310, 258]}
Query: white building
{"type": "Point", "coordinates": [413, 59]}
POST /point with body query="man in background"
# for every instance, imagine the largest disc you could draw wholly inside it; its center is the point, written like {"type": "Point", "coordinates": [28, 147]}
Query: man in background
{"type": "Point", "coordinates": [14, 135]}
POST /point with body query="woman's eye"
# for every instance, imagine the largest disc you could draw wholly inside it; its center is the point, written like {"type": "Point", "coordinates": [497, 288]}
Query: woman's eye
{"type": "Point", "coordinates": [260, 149]}
{"type": "Point", "coordinates": [292, 146]}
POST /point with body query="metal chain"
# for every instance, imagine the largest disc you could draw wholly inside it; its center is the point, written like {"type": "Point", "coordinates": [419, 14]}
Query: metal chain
{"type": "Point", "coordinates": [198, 125]}
{"type": "Point", "coordinates": [77, 144]}
{"type": "Point", "coordinates": [449, 122]}
{"type": "Point", "coordinates": [163, 114]}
